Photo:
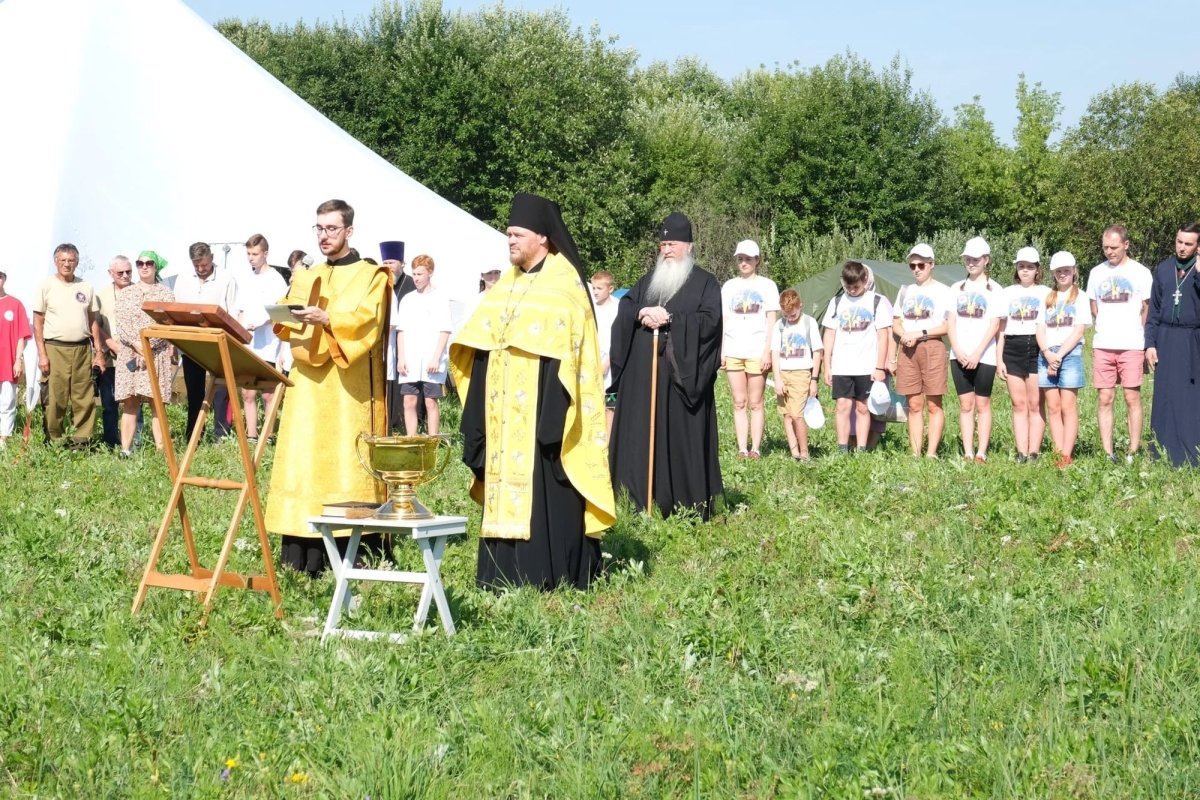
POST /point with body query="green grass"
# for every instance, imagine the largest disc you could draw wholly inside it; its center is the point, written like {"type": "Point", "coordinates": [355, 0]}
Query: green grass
{"type": "Point", "coordinates": [869, 626]}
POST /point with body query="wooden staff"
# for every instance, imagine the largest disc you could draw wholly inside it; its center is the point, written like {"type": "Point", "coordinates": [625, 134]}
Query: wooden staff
{"type": "Point", "coordinates": [653, 417]}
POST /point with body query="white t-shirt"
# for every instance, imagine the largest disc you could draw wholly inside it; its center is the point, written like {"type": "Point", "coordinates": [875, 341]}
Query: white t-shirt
{"type": "Point", "coordinates": [976, 305]}
{"type": "Point", "coordinates": [856, 322]}
{"type": "Point", "coordinates": [1023, 307]}
{"type": "Point", "coordinates": [796, 342]}
{"type": "Point", "coordinates": [1058, 322]}
{"type": "Point", "coordinates": [423, 317]}
{"type": "Point", "coordinates": [255, 291]}
{"type": "Point", "coordinates": [606, 315]}
{"type": "Point", "coordinates": [745, 303]}
{"type": "Point", "coordinates": [920, 308]}
{"type": "Point", "coordinates": [1119, 293]}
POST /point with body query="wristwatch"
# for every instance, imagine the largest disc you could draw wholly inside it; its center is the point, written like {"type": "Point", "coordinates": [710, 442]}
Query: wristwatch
{"type": "Point", "coordinates": [924, 334]}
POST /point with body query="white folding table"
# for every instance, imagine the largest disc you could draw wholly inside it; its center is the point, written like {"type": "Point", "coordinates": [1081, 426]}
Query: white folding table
{"type": "Point", "coordinates": [430, 535]}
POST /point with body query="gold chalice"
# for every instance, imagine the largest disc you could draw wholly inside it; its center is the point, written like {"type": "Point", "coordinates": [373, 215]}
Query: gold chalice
{"type": "Point", "coordinates": [403, 463]}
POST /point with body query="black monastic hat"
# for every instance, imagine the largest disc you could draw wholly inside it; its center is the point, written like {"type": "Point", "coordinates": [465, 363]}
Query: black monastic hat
{"type": "Point", "coordinates": [545, 217]}
{"type": "Point", "coordinates": [675, 228]}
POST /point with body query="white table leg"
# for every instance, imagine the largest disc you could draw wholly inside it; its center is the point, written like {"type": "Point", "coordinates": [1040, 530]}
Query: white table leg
{"type": "Point", "coordinates": [433, 584]}
{"type": "Point", "coordinates": [341, 588]}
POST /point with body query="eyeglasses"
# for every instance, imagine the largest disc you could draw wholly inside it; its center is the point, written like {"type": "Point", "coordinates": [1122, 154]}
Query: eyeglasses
{"type": "Point", "coordinates": [145, 264]}
{"type": "Point", "coordinates": [123, 272]}
{"type": "Point", "coordinates": [916, 265]}
{"type": "Point", "coordinates": [329, 230]}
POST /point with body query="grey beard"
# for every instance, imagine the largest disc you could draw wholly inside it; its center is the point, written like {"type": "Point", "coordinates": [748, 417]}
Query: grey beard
{"type": "Point", "coordinates": [668, 278]}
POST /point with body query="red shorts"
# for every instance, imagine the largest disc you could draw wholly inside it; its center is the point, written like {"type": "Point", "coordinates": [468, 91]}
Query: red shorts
{"type": "Point", "coordinates": [1110, 367]}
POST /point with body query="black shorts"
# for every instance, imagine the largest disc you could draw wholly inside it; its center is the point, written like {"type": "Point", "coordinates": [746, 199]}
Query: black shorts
{"type": "Point", "coordinates": [976, 381]}
{"type": "Point", "coordinates": [857, 387]}
{"type": "Point", "coordinates": [432, 391]}
{"type": "Point", "coordinates": [1021, 355]}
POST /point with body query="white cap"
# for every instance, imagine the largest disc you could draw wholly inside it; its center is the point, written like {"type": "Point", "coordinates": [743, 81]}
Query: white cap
{"type": "Point", "coordinates": [1061, 259]}
{"type": "Point", "coordinates": [976, 248]}
{"type": "Point", "coordinates": [880, 399]}
{"type": "Point", "coordinates": [923, 250]}
{"type": "Point", "coordinates": [747, 247]}
{"type": "Point", "coordinates": [814, 415]}
{"type": "Point", "coordinates": [1029, 255]}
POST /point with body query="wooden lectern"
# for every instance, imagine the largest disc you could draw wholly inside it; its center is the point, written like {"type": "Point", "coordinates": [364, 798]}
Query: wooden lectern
{"type": "Point", "coordinates": [215, 341]}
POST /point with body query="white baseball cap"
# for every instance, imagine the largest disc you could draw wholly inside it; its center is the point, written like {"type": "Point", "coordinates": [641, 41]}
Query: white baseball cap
{"type": "Point", "coordinates": [976, 248]}
{"type": "Point", "coordinates": [880, 399]}
{"type": "Point", "coordinates": [923, 250]}
{"type": "Point", "coordinates": [814, 415]}
{"type": "Point", "coordinates": [747, 247]}
{"type": "Point", "coordinates": [1029, 255]}
{"type": "Point", "coordinates": [1061, 259]}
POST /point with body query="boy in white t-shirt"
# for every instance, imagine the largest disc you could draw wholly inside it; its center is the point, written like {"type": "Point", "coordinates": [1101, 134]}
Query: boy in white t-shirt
{"type": "Point", "coordinates": [1119, 291]}
{"type": "Point", "coordinates": [794, 339]}
{"type": "Point", "coordinates": [264, 286]}
{"type": "Point", "coordinates": [750, 307]}
{"type": "Point", "coordinates": [421, 336]}
{"type": "Point", "coordinates": [857, 324]}
{"type": "Point", "coordinates": [978, 305]}
{"type": "Point", "coordinates": [606, 314]}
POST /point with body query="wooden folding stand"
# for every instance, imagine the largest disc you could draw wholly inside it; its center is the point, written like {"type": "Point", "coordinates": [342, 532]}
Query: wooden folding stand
{"type": "Point", "coordinates": [215, 341]}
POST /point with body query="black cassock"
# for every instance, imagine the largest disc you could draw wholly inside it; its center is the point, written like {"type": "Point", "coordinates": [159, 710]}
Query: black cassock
{"type": "Point", "coordinates": [686, 470]}
{"type": "Point", "coordinates": [1175, 331]}
{"type": "Point", "coordinates": [557, 550]}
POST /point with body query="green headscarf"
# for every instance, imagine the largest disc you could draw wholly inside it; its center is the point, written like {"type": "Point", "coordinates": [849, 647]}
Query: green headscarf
{"type": "Point", "coordinates": [150, 255]}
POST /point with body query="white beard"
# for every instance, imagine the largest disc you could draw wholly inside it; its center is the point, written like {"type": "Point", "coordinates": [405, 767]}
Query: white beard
{"type": "Point", "coordinates": [669, 276]}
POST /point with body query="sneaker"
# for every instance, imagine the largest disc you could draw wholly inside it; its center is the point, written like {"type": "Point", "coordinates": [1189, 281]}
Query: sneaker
{"type": "Point", "coordinates": [1063, 462]}
{"type": "Point", "coordinates": [743, 454]}
{"type": "Point", "coordinates": [1112, 457]}
{"type": "Point", "coordinates": [1033, 457]}
{"type": "Point", "coordinates": [252, 440]}
{"type": "Point", "coordinates": [1129, 458]}
{"type": "Point", "coordinates": [1022, 458]}
{"type": "Point", "coordinates": [968, 458]}
{"type": "Point", "coordinates": [125, 454]}
{"type": "Point", "coordinates": [802, 457]}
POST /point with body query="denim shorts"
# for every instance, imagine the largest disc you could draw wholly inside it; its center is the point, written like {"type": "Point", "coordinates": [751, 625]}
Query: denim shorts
{"type": "Point", "coordinates": [1070, 371]}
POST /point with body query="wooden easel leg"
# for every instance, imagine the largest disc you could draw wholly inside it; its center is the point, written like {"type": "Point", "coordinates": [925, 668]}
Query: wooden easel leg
{"type": "Point", "coordinates": [260, 522]}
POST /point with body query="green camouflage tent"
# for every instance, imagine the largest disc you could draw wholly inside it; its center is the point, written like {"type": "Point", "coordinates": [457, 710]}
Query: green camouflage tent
{"type": "Point", "coordinates": [817, 291]}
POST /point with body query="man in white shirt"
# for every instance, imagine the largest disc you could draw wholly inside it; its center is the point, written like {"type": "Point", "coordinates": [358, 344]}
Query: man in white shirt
{"type": "Point", "coordinates": [1119, 291]}
{"type": "Point", "coordinates": [263, 286]}
{"type": "Point", "coordinates": [207, 286]}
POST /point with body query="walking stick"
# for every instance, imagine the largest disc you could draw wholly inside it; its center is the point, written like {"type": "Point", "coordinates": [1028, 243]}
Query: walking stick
{"type": "Point", "coordinates": [653, 417]}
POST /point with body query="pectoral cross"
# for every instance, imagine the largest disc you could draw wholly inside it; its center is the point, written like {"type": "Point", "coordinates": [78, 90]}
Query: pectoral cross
{"type": "Point", "coordinates": [1178, 296]}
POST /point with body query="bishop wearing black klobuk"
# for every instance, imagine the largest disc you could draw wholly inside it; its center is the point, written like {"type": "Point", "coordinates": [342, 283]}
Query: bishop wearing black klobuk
{"type": "Point", "coordinates": [1173, 330]}
{"type": "Point", "coordinates": [527, 366]}
{"type": "Point", "coordinates": [687, 473]}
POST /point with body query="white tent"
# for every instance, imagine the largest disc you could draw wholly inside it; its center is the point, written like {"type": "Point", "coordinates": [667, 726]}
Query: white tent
{"type": "Point", "coordinates": [133, 124]}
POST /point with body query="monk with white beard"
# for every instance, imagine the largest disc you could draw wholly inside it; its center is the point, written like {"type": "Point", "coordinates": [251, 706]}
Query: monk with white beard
{"type": "Point", "coordinates": [683, 303]}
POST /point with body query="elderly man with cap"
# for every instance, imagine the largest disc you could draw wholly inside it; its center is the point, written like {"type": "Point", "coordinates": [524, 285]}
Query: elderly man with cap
{"type": "Point", "coordinates": [666, 342]}
{"type": "Point", "coordinates": [527, 366]}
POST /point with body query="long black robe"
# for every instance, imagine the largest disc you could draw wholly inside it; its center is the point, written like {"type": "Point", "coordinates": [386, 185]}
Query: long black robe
{"type": "Point", "coordinates": [557, 550]}
{"type": "Point", "coordinates": [1175, 332]}
{"type": "Point", "coordinates": [687, 472]}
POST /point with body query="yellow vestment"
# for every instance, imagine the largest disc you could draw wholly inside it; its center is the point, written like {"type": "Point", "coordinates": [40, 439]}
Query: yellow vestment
{"type": "Point", "coordinates": [330, 402]}
{"type": "Point", "coordinates": [523, 318]}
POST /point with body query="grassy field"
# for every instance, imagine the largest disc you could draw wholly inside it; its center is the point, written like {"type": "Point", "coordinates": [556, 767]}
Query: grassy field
{"type": "Point", "coordinates": [867, 626]}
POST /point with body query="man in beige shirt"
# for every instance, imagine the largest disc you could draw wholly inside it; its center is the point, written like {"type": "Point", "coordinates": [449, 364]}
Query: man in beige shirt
{"type": "Point", "coordinates": [121, 271]}
{"type": "Point", "coordinates": [67, 334]}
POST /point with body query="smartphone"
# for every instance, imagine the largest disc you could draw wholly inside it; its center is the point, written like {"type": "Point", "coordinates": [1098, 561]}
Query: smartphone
{"type": "Point", "coordinates": [131, 365]}
{"type": "Point", "coordinates": [295, 307]}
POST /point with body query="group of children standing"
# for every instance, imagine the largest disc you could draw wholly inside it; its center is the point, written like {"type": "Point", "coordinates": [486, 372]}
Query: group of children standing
{"type": "Point", "coordinates": [1029, 334]}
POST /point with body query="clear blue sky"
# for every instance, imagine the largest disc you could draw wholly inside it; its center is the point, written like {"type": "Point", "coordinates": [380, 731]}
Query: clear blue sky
{"type": "Point", "coordinates": [956, 49]}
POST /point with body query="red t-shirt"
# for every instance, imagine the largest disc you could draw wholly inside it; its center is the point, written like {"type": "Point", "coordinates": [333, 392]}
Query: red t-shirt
{"type": "Point", "coordinates": [14, 326]}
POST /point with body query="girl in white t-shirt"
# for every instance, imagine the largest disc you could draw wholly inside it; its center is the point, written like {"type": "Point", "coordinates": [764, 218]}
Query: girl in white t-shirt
{"type": "Point", "coordinates": [750, 308]}
{"type": "Point", "coordinates": [1024, 305]}
{"type": "Point", "coordinates": [974, 326]}
{"type": "Point", "coordinates": [1067, 314]}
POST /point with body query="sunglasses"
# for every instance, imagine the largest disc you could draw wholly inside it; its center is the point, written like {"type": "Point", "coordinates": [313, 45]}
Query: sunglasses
{"type": "Point", "coordinates": [123, 272]}
{"type": "Point", "coordinates": [145, 263]}
{"type": "Point", "coordinates": [916, 265]}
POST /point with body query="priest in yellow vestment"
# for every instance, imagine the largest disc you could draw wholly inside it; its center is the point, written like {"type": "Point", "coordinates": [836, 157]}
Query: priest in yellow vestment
{"type": "Point", "coordinates": [527, 366]}
{"type": "Point", "coordinates": [337, 393]}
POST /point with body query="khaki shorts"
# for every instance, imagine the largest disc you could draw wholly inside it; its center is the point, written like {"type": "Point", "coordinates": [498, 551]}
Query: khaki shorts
{"type": "Point", "coordinates": [795, 392]}
{"type": "Point", "coordinates": [922, 368]}
{"type": "Point", "coordinates": [750, 366]}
